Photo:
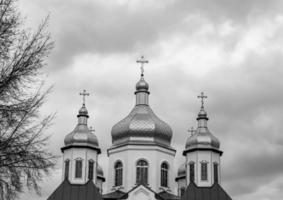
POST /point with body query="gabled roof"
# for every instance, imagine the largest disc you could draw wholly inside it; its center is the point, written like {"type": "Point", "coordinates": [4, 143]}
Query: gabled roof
{"type": "Point", "coordinates": [168, 196]}
{"type": "Point", "coordinates": [215, 192]}
{"type": "Point", "coordinates": [157, 196]}
{"type": "Point", "coordinates": [68, 191]}
{"type": "Point", "coordinates": [124, 195]}
{"type": "Point", "coordinates": [113, 195]}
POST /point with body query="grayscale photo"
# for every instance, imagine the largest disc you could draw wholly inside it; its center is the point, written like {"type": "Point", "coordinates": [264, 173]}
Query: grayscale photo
{"type": "Point", "coordinates": [141, 100]}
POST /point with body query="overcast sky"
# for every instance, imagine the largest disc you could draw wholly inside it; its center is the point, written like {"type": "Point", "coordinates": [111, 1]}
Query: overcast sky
{"type": "Point", "coordinates": [232, 50]}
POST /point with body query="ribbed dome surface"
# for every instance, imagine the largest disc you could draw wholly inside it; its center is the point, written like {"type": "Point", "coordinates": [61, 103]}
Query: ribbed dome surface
{"type": "Point", "coordinates": [141, 125]}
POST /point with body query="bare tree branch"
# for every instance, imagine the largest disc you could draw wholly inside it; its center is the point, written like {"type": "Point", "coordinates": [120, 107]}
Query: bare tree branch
{"type": "Point", "coordinates": [24, 157]}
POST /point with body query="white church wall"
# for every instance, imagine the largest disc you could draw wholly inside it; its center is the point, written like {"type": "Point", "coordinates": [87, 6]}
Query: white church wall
{"type": "Point", "coordinates": [85, 155]}
{"type": "Point", "coordinates": [198, 157]}
{"type": "Point", "coordinates": [130, 154]}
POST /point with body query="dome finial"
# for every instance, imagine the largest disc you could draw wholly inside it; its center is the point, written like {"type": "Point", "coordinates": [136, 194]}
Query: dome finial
{"type": "Point", "coordinates": [84, 94]}
{"type": "Point", "coordinates": [142, 61]}
{"type": "Point", "coordinates": [202, 96]}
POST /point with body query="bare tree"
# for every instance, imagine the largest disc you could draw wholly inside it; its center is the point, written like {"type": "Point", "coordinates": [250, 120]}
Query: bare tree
{"type": "Point", "coordinates": [24, 157]}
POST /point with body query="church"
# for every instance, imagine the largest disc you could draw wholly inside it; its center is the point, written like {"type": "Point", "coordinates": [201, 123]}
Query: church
{"type": "Point", "coordinates": [141, 158]}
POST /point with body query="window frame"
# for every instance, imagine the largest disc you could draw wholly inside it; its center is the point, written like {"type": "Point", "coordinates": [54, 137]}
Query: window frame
{"type": "Point", "coordinates": [216, 172]}
{"type": "Point", "coordinates": [79, 171]}
{"type": "Point", "coordinates": [142, 167]}
{"type": "Point", "coordinates": [192, 171]}
{"type": "Point", "coordinates": [118, 173]}
{"type": "Point", "coordinates": [204, 171]}
{"type": "Point", "coordinates": [164, 174]}
{"type": "Point", "coordinates": [90, 170]}
{"type": "Point", "coordinates": [67, 169]}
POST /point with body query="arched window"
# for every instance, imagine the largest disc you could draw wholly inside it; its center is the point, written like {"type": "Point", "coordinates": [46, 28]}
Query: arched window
{"type": "Point", "coordinates": [192, 172]}
{"type": "Point", "coordinates": [79, 167]}
{"type": "Point", "coordinates": [164, 174]}
{"type": "Point", "coordinates": [118, 173]}
{"type": "Point", "coordinates": [204, 171]}
{"type": "Point", "coordinates": [90, 169]}
{"type": "Point", "coordinates": [142, 172]}
{"type": "Point", "coordinates": [67, 167]}
{"type": "Point", "coordinates": [215, 169]}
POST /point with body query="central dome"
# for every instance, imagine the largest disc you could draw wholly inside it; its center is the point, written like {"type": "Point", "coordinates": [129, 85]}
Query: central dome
{"type": "Point", "coordinates": [141, 125]}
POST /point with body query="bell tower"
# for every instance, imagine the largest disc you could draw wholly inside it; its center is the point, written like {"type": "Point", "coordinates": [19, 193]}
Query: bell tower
{"type": "Point", "coordinates": [202, 153]}
{"type": "Point", "coordinates": [81, 149]}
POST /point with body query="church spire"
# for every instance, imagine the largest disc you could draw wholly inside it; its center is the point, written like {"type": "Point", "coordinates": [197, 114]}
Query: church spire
{"type": "Point", "coordinates": [142, 86]}
{"type": "Point", "coordinates": [202, 115]}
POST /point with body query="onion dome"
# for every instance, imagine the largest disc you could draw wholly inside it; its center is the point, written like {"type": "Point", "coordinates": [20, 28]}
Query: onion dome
{"type": "Point", "coordinates": [81, 136]}
{"type": "Point", "coordinates": [202, 138]}
{"type": "Point", "coordinates": [141, 126]}
{"type": "Point", "coordinates": [100, 174]}
{"type": "Point", "coordinates": [142, 85]}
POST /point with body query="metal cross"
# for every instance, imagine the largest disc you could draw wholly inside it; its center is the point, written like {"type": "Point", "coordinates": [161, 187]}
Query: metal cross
{"type": "Point", "coordinates": [84, 93]}
{"type": "Point", "coordinates": [142, 61]}
{"type": "Point", "coordinates": [192, 130]}
{"type": "Point", "coordinates": [202, 96]}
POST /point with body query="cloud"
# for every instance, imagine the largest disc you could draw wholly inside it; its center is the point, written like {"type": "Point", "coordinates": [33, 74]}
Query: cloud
{"type": "Point", "coordinates": [229, 49]}
{"type": "Point", "coordinates": [121, 27]}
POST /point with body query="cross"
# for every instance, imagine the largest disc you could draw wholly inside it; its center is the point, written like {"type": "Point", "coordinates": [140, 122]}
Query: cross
{"type": "Point", "coordinates": [142, 61]}
{"type": "Point", "coordinates": [192, 130]}
{"type": "Point", "coordinates": [84, 93]}
{"type": "Point", "coordinates": [202, 96]}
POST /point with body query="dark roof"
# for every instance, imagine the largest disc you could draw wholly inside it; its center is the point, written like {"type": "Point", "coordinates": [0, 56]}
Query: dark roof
{"type": "Point", "coordinates": [114, 195]}
{"type": "Point", "coordinates": [68, 191]}
{"type": "Point", "coordinates": [168, 196]}
{"type": "Point", "coordinates": [215, 192]}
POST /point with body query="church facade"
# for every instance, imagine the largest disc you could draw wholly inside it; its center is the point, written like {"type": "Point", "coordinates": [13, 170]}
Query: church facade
{"type": "Point", "coordinates": [141, 159]}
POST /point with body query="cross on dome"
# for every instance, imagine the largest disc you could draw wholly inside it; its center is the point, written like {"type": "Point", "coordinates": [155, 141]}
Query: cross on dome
{"type": "Point", "coordinates": [84, 94]}
{"type": "Point", "coordinates": [202, 96]}
{"type": "Point", "coordinates": [142, 61]}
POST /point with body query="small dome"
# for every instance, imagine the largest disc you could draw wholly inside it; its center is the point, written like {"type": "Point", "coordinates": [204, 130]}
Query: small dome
{"type": "Point", "coordinates": [182, 170]}
{"type": "Point", "coordinates": [83, 111]}
{"type": "Point", "coordinates": [142, 85]}
{"type": "Point", "coordinates": [99, 171]}
{"type": "Point", "coordinates": [81, 135]}
{"type": "Point", "coordinates": [140, 124]}
{"type": "Point", "coordinates": [202, 138]}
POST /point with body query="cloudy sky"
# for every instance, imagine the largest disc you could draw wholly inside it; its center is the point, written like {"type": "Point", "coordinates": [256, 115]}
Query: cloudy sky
{"type": "Point", "coordinates": [232, 50]}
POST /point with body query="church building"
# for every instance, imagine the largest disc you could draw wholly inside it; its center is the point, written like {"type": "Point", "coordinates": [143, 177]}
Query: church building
{"type": "Point", "coordinates": [141, 158]}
